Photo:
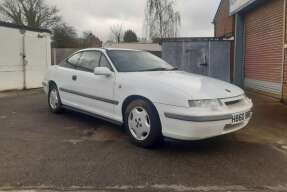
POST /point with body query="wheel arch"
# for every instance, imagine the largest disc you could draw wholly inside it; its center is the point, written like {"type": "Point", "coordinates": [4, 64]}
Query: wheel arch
{"type": "Point", "coordinates": [50, 83]}
{"type": "Point", "coordinates": [156, 136]}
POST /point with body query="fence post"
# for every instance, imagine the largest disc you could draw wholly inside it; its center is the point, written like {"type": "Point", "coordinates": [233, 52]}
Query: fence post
{"type": "Point", "coordinates": [54, 50]}
{"type": "Point", "coordinates": [23, 55]}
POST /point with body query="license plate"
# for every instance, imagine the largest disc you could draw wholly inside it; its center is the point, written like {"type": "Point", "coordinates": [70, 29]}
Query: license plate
{"type": "Point", "coordinates": [239, 117]}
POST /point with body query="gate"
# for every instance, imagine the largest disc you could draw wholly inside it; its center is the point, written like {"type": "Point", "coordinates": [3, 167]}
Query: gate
{"type": "Point", "coordinates": [25, 55]}
{"type": "Point", "coordinates": [205, 56]}
{"type": "Point", "coordinates": [37, 59]}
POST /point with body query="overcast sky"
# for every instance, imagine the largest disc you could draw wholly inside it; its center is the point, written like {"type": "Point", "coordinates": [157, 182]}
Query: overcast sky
{"type": "Point", "coordinates": [99, 15]}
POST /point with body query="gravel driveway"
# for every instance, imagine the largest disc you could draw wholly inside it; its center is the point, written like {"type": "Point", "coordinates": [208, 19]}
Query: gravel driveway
{"type": "Point", "coordinates": [43, 151]}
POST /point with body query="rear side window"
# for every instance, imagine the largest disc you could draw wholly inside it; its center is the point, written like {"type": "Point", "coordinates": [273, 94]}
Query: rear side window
{"type": "Point", "coordinates": [89, 61]}
{"type": "Point", "coordinates": [71, 62]}
{"type": "Point", "coordinates": [74, 60]}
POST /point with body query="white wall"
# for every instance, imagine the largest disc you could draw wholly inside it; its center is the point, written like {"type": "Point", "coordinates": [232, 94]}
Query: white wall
{"type": "Point", "coordinates": [38, 58]}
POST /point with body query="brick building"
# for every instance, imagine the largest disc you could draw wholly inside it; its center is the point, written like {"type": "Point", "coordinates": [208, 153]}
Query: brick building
{"type": "Point", "coordinates": [258, 28]}
{"type": "Point", "coordinates": [223, 22]}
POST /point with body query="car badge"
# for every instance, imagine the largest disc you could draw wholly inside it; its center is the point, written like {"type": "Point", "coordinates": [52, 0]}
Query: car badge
{"type": "Point", "coordinates": [227, 90]}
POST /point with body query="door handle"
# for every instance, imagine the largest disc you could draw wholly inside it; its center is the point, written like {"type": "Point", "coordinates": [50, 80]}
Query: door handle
{"type": "Point", "coordinates": [204, 64]}
{"type": "Point", "coordinates": [74, 77]}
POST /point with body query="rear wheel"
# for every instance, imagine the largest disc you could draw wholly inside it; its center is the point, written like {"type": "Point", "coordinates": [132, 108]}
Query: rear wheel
{"type": "Point", "coordinates": [142, 123]}
{"type": "Point", "coordinates": [54, 100]}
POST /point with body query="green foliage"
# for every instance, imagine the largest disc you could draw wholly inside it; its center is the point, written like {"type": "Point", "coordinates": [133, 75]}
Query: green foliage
{"type": "Point", "coordinates": [65, 36]}
{"type": "Point", "coordinates": [130, 36]}
{"type": "Point", "coordinates": [90, 40]}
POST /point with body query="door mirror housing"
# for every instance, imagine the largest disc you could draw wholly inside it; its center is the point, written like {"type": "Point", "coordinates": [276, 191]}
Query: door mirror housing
{"type": "Point", "coordinates": [103, 71]}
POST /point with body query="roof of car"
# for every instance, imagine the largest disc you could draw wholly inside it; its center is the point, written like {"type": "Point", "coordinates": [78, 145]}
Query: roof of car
{"type": "Point", "coordinates": [109, 49]}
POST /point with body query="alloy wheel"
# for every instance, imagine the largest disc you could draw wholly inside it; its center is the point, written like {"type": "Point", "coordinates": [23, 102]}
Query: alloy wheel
{"type": "Point", "coordinates": [139, 123]}
{"type": "Point", "coordinates": [54, 100]}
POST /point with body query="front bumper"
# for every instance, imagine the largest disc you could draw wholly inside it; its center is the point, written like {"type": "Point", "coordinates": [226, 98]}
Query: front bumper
{"type": "Point", "coordinates": [179, 123]}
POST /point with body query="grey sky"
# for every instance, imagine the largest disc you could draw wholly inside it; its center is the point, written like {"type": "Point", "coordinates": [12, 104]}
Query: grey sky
{"type": "Point", "coordinates": [99, 15]}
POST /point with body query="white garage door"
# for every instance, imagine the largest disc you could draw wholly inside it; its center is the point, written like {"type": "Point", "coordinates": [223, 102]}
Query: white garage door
{"type": "Point", "coordinates": [11, 68]}
{"type": "Point", "coordinates": [35, 46]}
{"type": "Point", "coordinates": [37, 54]}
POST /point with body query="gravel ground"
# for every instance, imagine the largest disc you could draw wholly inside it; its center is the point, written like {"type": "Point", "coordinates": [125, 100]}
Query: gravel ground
{"type": "Point", "coordinates": [40, 151]}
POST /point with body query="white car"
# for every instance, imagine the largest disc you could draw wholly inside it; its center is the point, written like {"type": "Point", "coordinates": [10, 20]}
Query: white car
{"type": "Point", "coordinates": [149, 97]}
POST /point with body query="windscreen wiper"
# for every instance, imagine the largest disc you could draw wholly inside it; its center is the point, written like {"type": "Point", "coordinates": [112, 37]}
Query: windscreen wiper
{"type": "Point", "coordinates": [173, 69]}
{"type": "Point", "coordinates": [161, 69]}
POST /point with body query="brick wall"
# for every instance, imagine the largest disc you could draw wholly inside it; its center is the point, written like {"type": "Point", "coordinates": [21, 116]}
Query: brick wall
{"type": "Point", "coordinates": [223, 23]}
{"type": "Point", "coordinates": [285, 62]}
{"type": "Point", "coordinates": [285, 79]}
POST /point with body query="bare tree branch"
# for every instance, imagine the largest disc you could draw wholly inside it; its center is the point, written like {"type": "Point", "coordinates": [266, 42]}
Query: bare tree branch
{"type": "Point", "coordinates": [117, 31]}
{"type": "Point", "coordinates": [33, 13]}
{"type": "Point", "coordinates": [161, 20]}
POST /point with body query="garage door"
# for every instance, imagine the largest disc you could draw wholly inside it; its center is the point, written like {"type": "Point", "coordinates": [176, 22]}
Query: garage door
{"type": "Point", "coordinates": [11, 69]}
{"type": "Point", "coordinates": [263, 48]}
{"type": "Point", "coordinates": [205, 57]}
{"type": "Point", "coordinates": [14, 44]}
{"type": "Point", "coordinates": [37, 58]}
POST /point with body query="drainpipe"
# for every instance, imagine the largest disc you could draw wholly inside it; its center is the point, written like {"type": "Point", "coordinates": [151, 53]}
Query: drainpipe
{"type": "Point", "coordinates": [238, 70]}
{"type": "Point", "coordinates": [283, 50]}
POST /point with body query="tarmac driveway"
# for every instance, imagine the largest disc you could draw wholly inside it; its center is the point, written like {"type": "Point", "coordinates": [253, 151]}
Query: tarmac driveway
{"type": "Point", "coordinates": [43, 151]}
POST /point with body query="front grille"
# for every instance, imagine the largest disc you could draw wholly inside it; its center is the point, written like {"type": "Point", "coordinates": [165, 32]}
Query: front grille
{"type": "Point", "coordinates": [232, 102]}
{"type": "Point", "coordinates": [248, 115]}
{"type": "Point", "coordinates": [230, 127]}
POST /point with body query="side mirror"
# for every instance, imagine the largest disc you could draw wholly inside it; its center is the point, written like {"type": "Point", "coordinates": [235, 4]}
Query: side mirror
{"type": "Point", "coordinates": [103, 71]}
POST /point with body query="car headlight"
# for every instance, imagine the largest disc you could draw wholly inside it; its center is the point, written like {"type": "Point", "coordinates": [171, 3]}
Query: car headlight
{"type": "Point", "coordinates": [206, 103]}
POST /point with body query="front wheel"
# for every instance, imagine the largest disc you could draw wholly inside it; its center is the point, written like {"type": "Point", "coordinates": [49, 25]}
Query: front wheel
{"type": "Point", "coordinates": [54, 100]}
{"type": "Point", "coordinates": [142, 123]}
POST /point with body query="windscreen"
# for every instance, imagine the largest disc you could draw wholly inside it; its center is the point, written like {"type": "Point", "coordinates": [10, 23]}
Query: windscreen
{"type": "Point", "coordinates": [137, 61]}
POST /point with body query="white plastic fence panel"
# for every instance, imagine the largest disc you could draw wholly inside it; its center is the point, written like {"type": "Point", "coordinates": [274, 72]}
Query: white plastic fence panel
{"type": "Point", "coordinates": [37, 58]}
{"type": "Point", "coordinates": [11, 70]}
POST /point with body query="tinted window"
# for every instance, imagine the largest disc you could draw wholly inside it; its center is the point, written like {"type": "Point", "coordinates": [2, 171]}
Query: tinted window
{"type": "Point", "coordinates": [71, 62]}
{"type": "Point", "coordinates": [89, 61]}
{"type": "Point", "coordinates": [134, 61]}
{"type": "Point", "coordinates": [105, 63]}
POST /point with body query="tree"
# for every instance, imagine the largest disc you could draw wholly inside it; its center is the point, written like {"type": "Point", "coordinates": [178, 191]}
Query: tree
{"type": "Point", "coordinates": [130, 36]}
{"type": "Point", "coordinates": [117, 32]}
{"type": "Point", "coordinates": [65, 36]}
{"type": "Point", "coordinates": [87, 36]}
{"type": "Point", "coordinates": [90, 40]}
{"type": "Point", "coordinates": [33, 13]}
{"type": "Point", "coordinates": [161, 19]}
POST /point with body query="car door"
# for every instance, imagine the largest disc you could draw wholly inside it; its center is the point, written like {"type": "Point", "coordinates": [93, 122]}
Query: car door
{"type": "Point", "coordinates": [66, 73]}
{"type": "Point", "coordinates": [95, 93]}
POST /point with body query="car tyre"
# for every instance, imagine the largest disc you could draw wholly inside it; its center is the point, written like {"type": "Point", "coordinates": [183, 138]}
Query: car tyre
{"type": "Point", "coordinates": [54, 100]}
{"type": "Point", "coordinates": [142, 123]}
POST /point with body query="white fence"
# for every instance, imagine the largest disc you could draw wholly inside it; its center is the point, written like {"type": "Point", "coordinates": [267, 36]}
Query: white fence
{"type": "Point", "coordinates": [24, 58]}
